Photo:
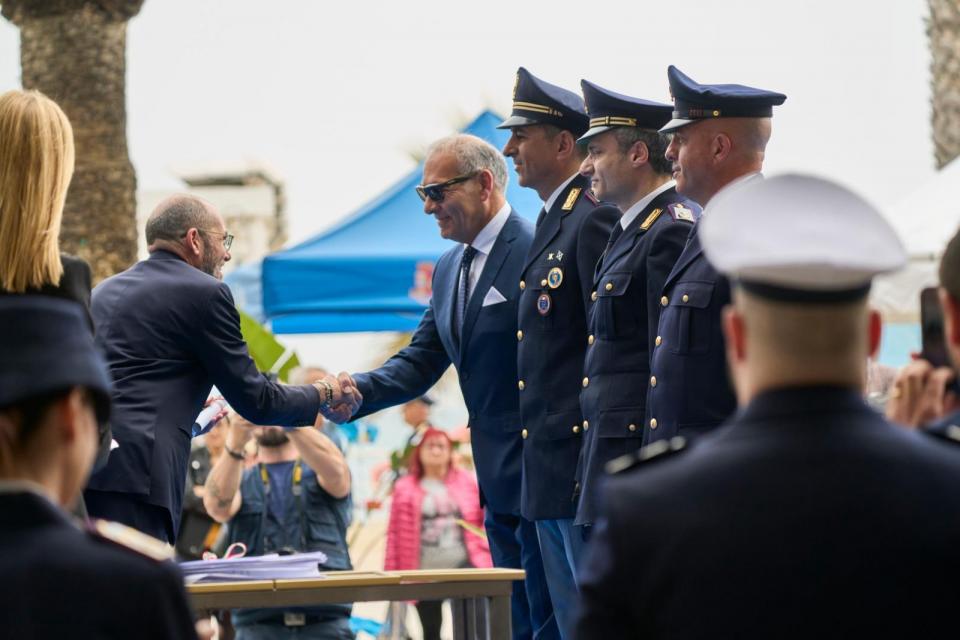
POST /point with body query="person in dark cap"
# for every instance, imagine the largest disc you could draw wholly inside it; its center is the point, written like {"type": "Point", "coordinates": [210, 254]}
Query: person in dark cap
{"type": "Point", "coordinates": [60, 580]}
{"type": "Point", "coordinates": [626, 165]}
{"type": "Point", "coordinates": [719, 136]}
{"type": "Point", "coordinates": [555, 285]}
{"type": "Point", "coordinates": [807, 514]}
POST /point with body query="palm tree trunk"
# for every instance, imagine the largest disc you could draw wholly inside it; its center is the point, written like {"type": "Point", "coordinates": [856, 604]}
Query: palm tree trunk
{"type": "Point", "coordinates": [74, 51]}
{"type": "Point", "coordinates": [943, 33]}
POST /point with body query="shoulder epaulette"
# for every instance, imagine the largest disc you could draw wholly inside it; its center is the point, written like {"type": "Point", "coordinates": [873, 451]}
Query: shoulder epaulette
{"type": "Point", "coordinates": [571, 200]}
{"type": "Point", "coordinates": [658, 450]}
{"type": "Point", "coordinates": [129, 538]}
{"type": "Point", "coordinates": [651, 218]}
{"type": "Point", "coordinates": [680, 212]}
{"type": "Point", "coordinates": [950, 433]}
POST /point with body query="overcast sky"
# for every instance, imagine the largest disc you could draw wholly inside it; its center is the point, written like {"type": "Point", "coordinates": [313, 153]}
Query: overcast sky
{"type": "Point", "coordinates": [334, 95]}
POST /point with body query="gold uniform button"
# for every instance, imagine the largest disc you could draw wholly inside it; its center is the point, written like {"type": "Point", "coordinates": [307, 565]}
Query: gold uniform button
{"type": "Point", "coordinates": [632, 427]}
{"type": "Point", "coordinates": [524, 434]}
{"type": "Point", "coordinates": [576, 428]}
{"type": "Point", "coordinates": [686, 298]}
{"type": "Point", "coordinates": [519, 335]}
{"type": "Point", "coordinates": [590, 339]}
{"type": "Point", "coordinates": [593, 296]}
{"type": "Point", "coordinates": [609, 286]}
{"type": "Point", "coordinates": [523, 285]}
{"type": "Point", "coordinates": [658, 341]}
{"type": "Point", "coordinates": [653, 381]}
{"type": "Point", "coordinates": [653, 423]}
{"type": "Point", "coordinates": [586, 425]}
{"type": "Point", "coordinates": [520, 385]}
{"type": "Point", "coordinates": [663, 300]}
{"type": "Point", "coordinates": [586, 382]}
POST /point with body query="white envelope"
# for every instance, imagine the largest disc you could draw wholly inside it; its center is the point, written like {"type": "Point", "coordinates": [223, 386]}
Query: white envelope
{"type": "Point", "coordinates": [493, 297]}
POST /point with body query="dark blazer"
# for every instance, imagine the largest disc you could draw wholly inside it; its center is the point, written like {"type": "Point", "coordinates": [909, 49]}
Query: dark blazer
{"type": "Point", "coordinates": [569, 241]}
{"type": "Point", "coordinates": [61, 582]}
{"type": "Point", "coordinates": [169, 332]}
{"type": "Point", "coordinates": [809, 515]}
{"type": "Point", "coordinates": [623, 321]}
{"type": "Point", "coordinates": [485, 358]}
{"type": "Point", "coordinates": [694, 393]}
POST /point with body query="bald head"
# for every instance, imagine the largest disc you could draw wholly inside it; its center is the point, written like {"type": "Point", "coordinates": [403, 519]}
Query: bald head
{"type": "Point", "coordinates": [177, 214]}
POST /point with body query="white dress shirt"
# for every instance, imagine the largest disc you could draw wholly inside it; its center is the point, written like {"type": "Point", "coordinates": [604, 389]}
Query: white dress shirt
{"type": "Point", "coordinates": [483, 243]}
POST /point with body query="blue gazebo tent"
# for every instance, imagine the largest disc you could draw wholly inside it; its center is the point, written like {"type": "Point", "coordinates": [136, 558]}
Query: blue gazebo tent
{"type": "Point", "coordinates": [371, 272]}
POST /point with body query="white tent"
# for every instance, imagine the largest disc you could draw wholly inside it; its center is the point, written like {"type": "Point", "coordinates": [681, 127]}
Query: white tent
{"type": "Point", "coordinates": [925, 220]}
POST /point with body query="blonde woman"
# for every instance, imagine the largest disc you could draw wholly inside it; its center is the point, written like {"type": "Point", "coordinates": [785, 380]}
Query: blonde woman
{"type": "Point", "coordinates": [36, 164]}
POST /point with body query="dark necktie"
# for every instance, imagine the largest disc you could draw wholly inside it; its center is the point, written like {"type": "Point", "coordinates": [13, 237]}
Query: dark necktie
{"type": "Point", "coordinates": [614, 234]}
{"type": "Point", "coordinates": [463, 288]}
{"type": "Point", "coordinates": [543, 214]}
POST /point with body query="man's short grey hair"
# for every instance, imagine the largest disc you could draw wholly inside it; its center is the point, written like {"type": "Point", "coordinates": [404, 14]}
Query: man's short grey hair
{"type": "Point", "coordinates": [473, 154]}
{"type": "Point", "coordinates": [174, 216]}
{"type": "Point", "coordinates": [656, 143]}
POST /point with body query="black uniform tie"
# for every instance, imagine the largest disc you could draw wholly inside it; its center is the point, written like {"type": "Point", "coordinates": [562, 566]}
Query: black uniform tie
{"type": "Point", "coordinates": [543, 214]}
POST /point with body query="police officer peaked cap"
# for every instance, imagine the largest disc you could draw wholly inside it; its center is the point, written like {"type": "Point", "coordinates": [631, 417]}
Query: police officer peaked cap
{"type": "Point", "coordinates": [608, 109]}
{"type": "Point", "coordinates": [539, 102]}
{"type": "Point", "coordinates": [693, 101]}
{"type": "Point", "coordinates": [798, 238]}
{"type": "Point", "coordinates": [47, 347]}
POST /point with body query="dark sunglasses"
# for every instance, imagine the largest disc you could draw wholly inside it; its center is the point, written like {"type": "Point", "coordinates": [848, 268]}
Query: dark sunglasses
{"type": "Point", "coordinates": [437, 190]}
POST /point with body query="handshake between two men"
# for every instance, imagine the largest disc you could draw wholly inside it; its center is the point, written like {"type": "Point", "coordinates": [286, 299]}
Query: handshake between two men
{"type": "Point", "coordinates": [340, 398]}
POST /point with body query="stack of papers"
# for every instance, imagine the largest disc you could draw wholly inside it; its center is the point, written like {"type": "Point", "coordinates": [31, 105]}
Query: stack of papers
{"type": "Point", "coordinates": [269, 567]}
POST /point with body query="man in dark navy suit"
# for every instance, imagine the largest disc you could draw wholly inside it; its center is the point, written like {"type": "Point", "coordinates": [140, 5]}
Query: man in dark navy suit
{"type": "Point", "coordinates": [60, 581]}
{"type": "Point", "coordinates": [555, 287]}
{"type": "Point", "coordinates": [471, 322]}
{"type": "Point", "coordinates": [807, 514]}
{"type": "Point", "coordinates": [719, 136]}
{"type": "Point", "coordinates": [626, 165]}
{"type": "Point", "coordinates": [169, 330]}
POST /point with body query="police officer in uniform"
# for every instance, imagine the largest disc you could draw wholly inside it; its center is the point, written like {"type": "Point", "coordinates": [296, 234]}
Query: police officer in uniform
{"type": "Point", "coordinates": [61, 580]}
{"type": "Point", "coordinates": [625, 162]}
{"type": "Point", "coordinates": [555, 286]}
{"type": "Point", "coordinates": [808, 514]}
{"type": "Point", "coordinates": [719, 134]}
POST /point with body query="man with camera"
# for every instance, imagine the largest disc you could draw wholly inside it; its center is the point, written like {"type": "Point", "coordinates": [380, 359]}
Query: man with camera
{"type": "Point", "coordinates": [925, 391]}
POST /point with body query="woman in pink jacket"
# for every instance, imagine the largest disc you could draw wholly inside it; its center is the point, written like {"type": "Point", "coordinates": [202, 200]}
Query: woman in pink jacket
{"type": "Point", "coordinates": [423, 532]}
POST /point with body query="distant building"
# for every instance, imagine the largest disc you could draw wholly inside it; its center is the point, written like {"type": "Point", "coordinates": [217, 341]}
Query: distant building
{"type": "Point", "coordinates": [250, 197]}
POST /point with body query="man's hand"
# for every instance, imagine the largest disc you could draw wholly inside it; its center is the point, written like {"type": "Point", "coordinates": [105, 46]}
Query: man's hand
{"type": "Point", "coordinates": [346, 398]}
{"type": "Point", "coordinates": [919, 394]}
{"type": "Point", "coordinates": [241, 430]}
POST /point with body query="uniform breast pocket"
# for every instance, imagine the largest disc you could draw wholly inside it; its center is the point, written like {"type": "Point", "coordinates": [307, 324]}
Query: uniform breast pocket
{"type": "Point", "coordinates": [693, 317]}
{"type": "Point", "coordinates": [616, 311]}
{"type": "Point", "coordinates": [547, 300]}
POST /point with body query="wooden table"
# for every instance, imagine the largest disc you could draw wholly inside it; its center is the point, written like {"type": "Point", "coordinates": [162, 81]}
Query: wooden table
{"type": "Point", "coordinates": [481, 597]}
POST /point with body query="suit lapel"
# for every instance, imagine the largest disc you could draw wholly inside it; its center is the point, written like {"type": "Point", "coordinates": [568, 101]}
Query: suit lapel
{"type": "Point", "coordinates": [495, 261]}
{"type": "Point", "coordinates": [550, 226]}
{"type": "Point", "coordinates": [444, 298]}
{"type": "Point", "coordinates": [690, 253]}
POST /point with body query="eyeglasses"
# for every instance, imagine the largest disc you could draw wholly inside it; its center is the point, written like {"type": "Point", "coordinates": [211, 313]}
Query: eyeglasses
{"type": "Point", "coordinates": [227, 237]}
{"type": "Point", "coordinates": [438, 190]}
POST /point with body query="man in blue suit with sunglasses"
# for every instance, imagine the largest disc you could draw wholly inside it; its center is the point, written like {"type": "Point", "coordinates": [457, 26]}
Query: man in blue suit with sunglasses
{"type": "Point", "coordinates": [471, 322]}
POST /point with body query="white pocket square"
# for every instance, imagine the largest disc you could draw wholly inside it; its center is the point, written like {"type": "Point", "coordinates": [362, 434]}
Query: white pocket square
{"type": "Point", "coordinates": [493, 297]}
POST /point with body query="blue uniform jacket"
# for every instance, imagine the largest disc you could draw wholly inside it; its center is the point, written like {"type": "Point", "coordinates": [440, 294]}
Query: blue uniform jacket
{"type": "Point", "coordinates": [169, 332]}
{"type": "Point", "coordinates": [623, 320]}
{"type": "Point", "coordinates": [693, 392]}
{"type": "Point", "coordinates": [552, 342]}
{"type": "Point", "coordinates": [485, 358]}
{"type": "Point", "coordinates": [61, 582]}
{"type": "Point", "coordinates": [808, 515]}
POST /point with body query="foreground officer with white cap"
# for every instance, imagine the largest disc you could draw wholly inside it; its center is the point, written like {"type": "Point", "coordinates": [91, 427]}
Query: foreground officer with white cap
{"type": "Point", "coordinates": [807, 514]}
